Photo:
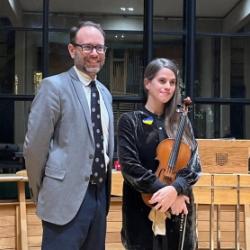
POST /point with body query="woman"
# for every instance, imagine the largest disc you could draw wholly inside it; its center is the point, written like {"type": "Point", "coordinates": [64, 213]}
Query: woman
{"type": "Point", "coordinates": [139, 133]}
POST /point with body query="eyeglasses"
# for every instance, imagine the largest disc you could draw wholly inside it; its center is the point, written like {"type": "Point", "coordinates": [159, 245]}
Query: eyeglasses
{"type": "Point", "coordinates": [88, 48]}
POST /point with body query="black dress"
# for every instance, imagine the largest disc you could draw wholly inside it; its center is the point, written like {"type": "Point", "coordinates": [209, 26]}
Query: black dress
{"type": "Point", "coordinates": [139, 134]}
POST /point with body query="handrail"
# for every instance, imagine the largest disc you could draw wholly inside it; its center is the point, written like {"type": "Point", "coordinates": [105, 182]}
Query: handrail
{"type": "Point", "coordinates": [12, 178]}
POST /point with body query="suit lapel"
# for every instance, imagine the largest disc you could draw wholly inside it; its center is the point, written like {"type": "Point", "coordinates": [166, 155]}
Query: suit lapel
{"type": "Point", "coordinates": [82, 99]}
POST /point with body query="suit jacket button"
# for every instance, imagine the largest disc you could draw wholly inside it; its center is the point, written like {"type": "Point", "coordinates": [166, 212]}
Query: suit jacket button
{"type": "Point", "coordinates": [91, 156]}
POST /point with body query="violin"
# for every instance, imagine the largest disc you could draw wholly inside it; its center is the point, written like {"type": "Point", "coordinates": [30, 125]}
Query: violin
{"type": "Point", "coordinates": [172, 154]}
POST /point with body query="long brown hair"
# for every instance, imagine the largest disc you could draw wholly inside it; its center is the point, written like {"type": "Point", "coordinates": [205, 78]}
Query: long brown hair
{"type": "Point", "coordinates": [171, 116]}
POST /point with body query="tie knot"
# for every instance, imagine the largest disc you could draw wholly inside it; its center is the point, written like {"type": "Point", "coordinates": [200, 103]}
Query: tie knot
{"type": "Point", "coordinates": [92, 84]}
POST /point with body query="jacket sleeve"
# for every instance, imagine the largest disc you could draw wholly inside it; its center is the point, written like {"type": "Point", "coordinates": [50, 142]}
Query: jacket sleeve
{"type": "Point", "coordinates": [142, 179]}
{"type": "Point", "coordinates": [45, 111]}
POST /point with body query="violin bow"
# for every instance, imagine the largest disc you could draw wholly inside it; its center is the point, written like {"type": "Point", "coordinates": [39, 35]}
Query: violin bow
{"type": "Point", "coordinates": [183, 224]}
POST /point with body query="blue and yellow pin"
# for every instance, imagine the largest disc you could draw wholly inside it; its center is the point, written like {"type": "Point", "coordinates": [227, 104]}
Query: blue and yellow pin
{"type": "Point", "coordinates": [148, 121]}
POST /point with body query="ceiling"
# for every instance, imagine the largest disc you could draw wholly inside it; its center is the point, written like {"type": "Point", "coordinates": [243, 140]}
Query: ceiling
{"type": "Point", "coordinates": [165, 8]}
{"type": "Point", "coordinates": [233, 15]}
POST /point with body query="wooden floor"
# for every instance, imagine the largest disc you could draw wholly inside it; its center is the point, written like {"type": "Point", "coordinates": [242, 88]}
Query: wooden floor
{"type": "Point", "coordinates": [225, 226]}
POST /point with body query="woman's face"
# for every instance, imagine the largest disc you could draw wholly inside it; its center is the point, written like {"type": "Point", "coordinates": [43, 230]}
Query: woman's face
{"type": "Point", "coordinates": [162, 87]}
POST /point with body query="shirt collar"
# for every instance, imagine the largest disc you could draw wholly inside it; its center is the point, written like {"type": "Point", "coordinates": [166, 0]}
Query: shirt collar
{"type": "Point", "coordinates": [84, 78]}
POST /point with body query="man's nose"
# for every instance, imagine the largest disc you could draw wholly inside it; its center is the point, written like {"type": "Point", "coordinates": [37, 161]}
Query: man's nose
{"type": "Point", "coordinates": [94, 51]}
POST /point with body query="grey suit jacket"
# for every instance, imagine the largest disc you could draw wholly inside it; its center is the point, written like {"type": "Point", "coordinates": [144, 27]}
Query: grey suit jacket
{"type": "Point", "coordinates": [59, 146]}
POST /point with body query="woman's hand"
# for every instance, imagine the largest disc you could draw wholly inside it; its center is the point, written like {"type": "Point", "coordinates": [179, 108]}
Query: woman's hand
{"type": "Point", "coordinates": [179, 206]}
{"type": "Point", "coordinates": [164, 198]}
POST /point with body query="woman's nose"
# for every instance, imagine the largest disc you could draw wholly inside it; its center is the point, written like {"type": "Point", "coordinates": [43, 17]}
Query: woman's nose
{"type": "Point", "coordinates": [167, 85]}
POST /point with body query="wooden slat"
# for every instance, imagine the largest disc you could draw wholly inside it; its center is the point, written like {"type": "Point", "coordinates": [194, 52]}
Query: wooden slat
{"type": "Point", "coordinates": [34, 230]}
{"type": "Point", "coordinates": [18, 237]}
{"type": "Point", "coordinates": [8, 231]}
{"type": "Point", "coordinates": [114, 226]}
{"type": "Point", "coordinates": [113, 237]}
{"type": "Point", "coordinates": [7, 221]}
{"type": "Point", "coordinates": [114, 216]}
{"type": "Point", "coordinates": [114, 246]}
{"type": "Point", "coordinates": [23, 216]}
{"type": "Point", "coordinates": [247, 225]}
{"type": "Point", "coordinates": [7, 243]}
{"type": "Point", "coordinates": [35, 240]}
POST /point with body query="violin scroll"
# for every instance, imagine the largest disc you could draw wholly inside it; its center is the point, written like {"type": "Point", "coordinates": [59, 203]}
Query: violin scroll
{"type": "Point", "coordinates": [184, 108]}
{"type": "Point", "coordinates": [187, 101]}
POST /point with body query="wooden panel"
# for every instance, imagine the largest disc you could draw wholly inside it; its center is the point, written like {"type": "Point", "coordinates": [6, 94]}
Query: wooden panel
{"type": "Point", "coordinates": [224, 156]}
{"type": "Point", "coordinates": [202, 191]}
{"type": "Point", "coordinates": [34, 227]}
{"type": "Point", "coordinates": [7, 226]}
{"type": "Point", "coordinates": [224, 226]}
{"type": "Point", "coordinates": [223, 189]}
{"type": "Point", "coordinates": [117, 181]}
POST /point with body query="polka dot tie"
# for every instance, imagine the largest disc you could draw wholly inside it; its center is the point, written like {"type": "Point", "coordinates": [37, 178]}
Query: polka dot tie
{"type": "Point", "coordinates": [98, 168]}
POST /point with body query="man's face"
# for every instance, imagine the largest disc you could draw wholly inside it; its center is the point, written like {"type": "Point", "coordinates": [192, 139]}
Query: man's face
{"type": "Point", "coordinates": [87, 60]}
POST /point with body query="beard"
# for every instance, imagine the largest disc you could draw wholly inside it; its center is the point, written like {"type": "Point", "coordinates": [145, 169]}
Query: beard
{"type": "Point", "coordinates": [92, 70]}
{"type": "Point", "coordinates": [85, 67]}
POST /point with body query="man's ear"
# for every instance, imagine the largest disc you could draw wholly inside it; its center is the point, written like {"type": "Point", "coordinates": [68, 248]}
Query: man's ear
{"type": "Point", "coordinates": [71, 49]}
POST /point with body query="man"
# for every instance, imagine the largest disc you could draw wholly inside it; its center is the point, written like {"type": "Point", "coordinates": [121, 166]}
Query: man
{"type": "Point", "coordinates": [60, 148]}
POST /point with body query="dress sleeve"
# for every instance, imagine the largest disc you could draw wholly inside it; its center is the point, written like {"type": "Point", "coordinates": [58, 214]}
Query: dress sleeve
{"type": "Point", "coordinates": [142, 179]}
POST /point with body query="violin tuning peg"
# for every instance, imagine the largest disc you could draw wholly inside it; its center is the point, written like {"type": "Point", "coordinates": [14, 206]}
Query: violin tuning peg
{"type": "Point", "coordinates": [179, 108]}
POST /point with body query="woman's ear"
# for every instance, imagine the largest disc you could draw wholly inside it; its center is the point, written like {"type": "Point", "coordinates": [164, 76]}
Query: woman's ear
{"type": "Point", "coordinates": [146, 83]}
